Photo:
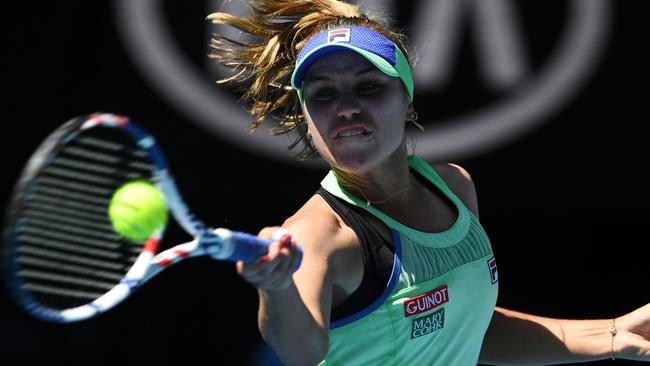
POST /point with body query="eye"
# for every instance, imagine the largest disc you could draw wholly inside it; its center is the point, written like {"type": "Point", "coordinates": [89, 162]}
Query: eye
{"type": "Point", "coordinates": [324, 93]}
{"type": "Point", "coordinates": [369, 87]}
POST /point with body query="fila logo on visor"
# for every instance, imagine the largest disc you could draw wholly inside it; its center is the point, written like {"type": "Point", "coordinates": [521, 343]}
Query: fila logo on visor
{"type": "Point", "coordinates": [338, 35]}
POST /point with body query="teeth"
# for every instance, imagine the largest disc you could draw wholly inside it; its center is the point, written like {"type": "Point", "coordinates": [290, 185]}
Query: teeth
{"type": "Point", "coordinates": [352, 132]}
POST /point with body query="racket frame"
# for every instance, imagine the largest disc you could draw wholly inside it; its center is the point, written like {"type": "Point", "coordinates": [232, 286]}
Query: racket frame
{"type": "Point", "coordinates": [220, 243]}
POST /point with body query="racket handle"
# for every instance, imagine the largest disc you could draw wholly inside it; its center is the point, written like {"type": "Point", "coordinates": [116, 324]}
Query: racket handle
{"type": "Point", "coordinates": [239, 246]}
{"type": "Point", "coordinates": [248, 247]}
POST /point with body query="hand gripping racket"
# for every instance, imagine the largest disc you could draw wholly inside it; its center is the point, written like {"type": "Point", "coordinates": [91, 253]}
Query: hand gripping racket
{"type": "Point", "coordinates": [63, 260]}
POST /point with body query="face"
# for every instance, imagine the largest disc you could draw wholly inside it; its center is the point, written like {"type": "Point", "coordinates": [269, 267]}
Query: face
{"type": "Point", "coordinates": [354, 112]}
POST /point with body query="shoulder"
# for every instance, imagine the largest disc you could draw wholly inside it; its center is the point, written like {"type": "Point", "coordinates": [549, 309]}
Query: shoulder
{"type": "Point", "coordinates": [324, 235]}
{"type": "Point", "coordinates": [460, 182]}
{"type": "Point", "coordinates": [454, 175]}
{"type": "Point", "coordinates": [316, 219]}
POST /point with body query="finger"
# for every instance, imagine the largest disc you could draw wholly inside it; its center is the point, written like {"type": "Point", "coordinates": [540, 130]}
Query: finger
{"type": "Point", "coordinates": [259, 272]}
{"type": "Point", "coordinates": [280, 233]}
{"type": "Point", "coordinates": [260, 269]}
{"type": "Point", "coordinates": [296, 253]}
{"type": "Point", "coordinates": [269, 232]}
{"type": "Point", "coordinates": [269, 270]}
{"type": "Point", "coordinates": [251, 272]}
{"type": "Point", "coordinates": [282, 276]}
{"type": "Point", "coordinates": [262, 261]}
{"type": "Point", "coordinates": [297, 256]}
{"type": "Point", "coordinates": [273, 252]}
{"type": "Point", "coordinates": [276, 234]}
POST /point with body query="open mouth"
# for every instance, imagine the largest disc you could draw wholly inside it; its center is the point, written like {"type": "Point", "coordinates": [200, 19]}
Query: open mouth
{"type": "Point", "coordinates": [351, 131]}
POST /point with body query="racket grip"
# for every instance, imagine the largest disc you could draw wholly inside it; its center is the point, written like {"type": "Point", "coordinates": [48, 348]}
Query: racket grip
{"type": "Point", "coordinates": [246, 247]}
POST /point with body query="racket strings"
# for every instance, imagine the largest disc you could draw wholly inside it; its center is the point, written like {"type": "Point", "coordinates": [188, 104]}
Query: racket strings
{"type": "Point", "coordinates": [67, 251]}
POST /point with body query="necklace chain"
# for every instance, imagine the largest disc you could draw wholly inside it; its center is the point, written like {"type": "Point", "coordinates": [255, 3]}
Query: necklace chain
{"type": "Point", "coordinates": [368, 201]}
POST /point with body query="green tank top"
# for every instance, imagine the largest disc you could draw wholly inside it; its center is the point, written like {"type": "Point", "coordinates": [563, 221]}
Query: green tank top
{"type": "Point", "coordinates": [437, 306]}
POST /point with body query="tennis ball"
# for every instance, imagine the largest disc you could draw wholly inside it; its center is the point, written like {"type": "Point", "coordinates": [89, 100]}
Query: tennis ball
{"type": "Point", "coordinates": [137, 209]}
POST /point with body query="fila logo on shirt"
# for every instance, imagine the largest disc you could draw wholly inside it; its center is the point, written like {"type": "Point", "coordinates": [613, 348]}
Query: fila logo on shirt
{"type": "Point", "coordinates": [494, 273]}
{"type": "Point", "coordinates": [338, 35]}
{"type": "Point", "coordinates": [426, 302]}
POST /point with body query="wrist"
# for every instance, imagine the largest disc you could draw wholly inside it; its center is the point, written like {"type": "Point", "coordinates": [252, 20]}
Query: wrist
{"type": "Point", "coordinates": [630, 343]}
{"type": "Point", "coordinates": [613, 331]}
{"type": "Point", "coordinates": [588, 340]}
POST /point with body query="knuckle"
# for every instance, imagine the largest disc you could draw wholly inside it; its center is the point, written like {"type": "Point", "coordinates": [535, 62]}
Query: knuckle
{"type": "Point", "coordinates": [281, 234]}
{"type": "Point", "coordinates": [267, 232]}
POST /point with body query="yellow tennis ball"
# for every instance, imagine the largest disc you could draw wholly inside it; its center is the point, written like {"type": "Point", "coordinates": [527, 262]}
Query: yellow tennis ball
{"type": "Point", "coordinates": [137, 209]}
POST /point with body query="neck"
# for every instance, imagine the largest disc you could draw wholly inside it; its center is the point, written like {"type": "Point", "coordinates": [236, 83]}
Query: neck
{"type": "Point", "coordinates": [386, 184]}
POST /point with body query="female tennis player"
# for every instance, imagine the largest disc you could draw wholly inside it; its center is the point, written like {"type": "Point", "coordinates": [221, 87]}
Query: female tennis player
{"type": "Point", "coordinates": [396, 269]}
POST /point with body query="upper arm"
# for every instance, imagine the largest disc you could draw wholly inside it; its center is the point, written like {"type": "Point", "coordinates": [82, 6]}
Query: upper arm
{"type": "Point", "coordinates": [460, 182]}
{"type": "Point", "coordinates": [320, 236]}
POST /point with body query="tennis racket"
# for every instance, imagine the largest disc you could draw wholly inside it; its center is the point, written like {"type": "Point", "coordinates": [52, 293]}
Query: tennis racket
{"type": "Point", "coordinates": [63, 260]}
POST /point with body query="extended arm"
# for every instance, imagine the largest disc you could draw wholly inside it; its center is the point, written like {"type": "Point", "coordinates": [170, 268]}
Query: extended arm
{"type": "Point", "coordinates": [516, 338]}
{"type": "Point", "coordinates": [294, 310]}
{"type": "Point", "coordinates": [293, 315]}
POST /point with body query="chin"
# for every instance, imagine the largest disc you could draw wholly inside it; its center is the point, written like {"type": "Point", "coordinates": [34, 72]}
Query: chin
{"type": "Point", "coordinates": [361, 158]}
{"type": "Point", "coordinates": [355, 162]}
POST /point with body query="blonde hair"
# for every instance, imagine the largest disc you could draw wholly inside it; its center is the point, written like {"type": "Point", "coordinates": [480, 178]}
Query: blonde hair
{"type": "Point", "coordinates": [280, 29]}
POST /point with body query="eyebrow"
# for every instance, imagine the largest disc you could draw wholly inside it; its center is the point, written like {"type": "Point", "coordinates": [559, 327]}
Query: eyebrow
{"type": "Point", "coordinates": [318, 77]}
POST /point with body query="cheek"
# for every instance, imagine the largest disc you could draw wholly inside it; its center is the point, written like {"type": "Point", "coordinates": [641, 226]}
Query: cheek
{"type": "Point", "coordinates": [316, 131]}
{"type": "Point", "coordinates": [315, 122]}
{"type": "Point", "coordinates": [319, 120]}
{"type": "Point", "coordinates": [318, 113]}
{"type": "Point", "coordinates": [390, 111]}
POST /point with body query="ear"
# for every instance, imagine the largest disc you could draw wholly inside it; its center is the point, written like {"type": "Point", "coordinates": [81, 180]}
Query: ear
{"type": "Point", "coordinates": [412, 116]}
{"type": "Point", "coordinates": [410, 110]}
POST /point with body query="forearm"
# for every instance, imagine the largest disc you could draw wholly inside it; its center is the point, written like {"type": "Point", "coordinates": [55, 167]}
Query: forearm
{"type": "Point", "coordinates": [523, 339]}
{"type": "Point", "coordinates": [287, 325]}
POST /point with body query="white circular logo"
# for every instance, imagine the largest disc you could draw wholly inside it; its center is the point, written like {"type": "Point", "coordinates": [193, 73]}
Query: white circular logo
{"type": "Point", "coordinates": [531, 100]}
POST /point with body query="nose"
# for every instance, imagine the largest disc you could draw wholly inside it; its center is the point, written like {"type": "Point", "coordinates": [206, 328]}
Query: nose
{"type": "Point", "coordinates": [348, 107]}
